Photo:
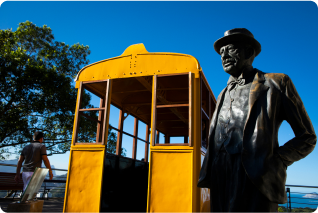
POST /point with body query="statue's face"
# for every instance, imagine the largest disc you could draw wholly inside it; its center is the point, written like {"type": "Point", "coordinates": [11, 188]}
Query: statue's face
{"type": "Point", "coordinates": [233, 59]}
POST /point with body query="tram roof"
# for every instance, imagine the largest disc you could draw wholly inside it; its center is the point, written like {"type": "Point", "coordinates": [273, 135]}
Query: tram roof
{"type": "Point", "coordinates": [136, 61]}
{"type": "Point", "coordinates": [132, 84]}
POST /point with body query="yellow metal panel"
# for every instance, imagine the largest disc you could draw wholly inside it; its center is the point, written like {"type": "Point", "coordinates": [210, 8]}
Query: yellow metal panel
{"type": "Point", "coordinates": [166, 63]}
{"type": "Point", "coordinates": [135, 62]}
{"type": "Point", "coordinates": [135, 49]}
{"type": "Point", "coordinates": [196, 124]}
{"type": "Point", "coordinates": [187, 147]}
{"type": "Point", "coordinates": [84, 182]}
{"type": "Point", "coordinates": [170, 184]}
{"type": "Point", "coordinates": [90, 146]}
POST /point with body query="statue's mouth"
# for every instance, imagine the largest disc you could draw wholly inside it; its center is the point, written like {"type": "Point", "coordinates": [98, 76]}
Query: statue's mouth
{"type": "Point", "coordinates": [228, 62]}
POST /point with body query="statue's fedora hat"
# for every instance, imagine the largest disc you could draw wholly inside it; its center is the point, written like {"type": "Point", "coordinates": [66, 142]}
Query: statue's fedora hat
{"type": "Point", "coordinates": [237, 35]}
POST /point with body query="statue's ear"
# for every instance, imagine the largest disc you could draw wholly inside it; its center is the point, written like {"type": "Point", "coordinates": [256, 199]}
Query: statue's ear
{"type": "Point", "coordinates": [249, 52]}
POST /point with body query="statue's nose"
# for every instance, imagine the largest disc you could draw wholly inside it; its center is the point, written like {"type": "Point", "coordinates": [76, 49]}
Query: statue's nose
{"type": "Point", "coordinates": [224, 54]}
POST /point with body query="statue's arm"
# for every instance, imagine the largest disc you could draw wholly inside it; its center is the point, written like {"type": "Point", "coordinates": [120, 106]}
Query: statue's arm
{"type": "Point", "coordinates": [295, 114]}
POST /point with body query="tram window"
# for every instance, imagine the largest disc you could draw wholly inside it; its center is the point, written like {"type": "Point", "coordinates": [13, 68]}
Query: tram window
{"type": "Point", "coordinates": [94, 100]}
{"type": "Point", "coordinates": [140, 150]}
{"type": "Point", "coordinates": [204, 133]}
{"type": "Point", "coordinates": [90, 119]}
{"type": "Point", "coordinates": [87, 128]}
{"type": "Point", "coordinates": [173, 89]}
{"type": "Point", "coordinates": [127, 145]}
{"type": "Point", "coordinates": [142, 130]}
{"type": "Point", "coordinates": [172, 107]}
{"type": "Point", "coordinates": [173, 123]}
{"type": "Point", "coordinates": [113, 116]}
{"type": "Point", "coordinates": [205, 99]}
{"type": "Point", "coordinates": [133, 98]}
{"type": "Point", "coordinates": [179, 139]}
{"type": "Point", "coordinates": [129, 124]}
{"type": "Point", "coordinates": [161, 137]}
{"type": "Point", "coordinates": [112, 140]}
{"type": "Point", "coordinates": [206, 112]}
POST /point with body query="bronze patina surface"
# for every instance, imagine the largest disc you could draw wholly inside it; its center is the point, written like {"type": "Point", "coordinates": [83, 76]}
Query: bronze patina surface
{"type": "Point", "coordinates": [244, 166]}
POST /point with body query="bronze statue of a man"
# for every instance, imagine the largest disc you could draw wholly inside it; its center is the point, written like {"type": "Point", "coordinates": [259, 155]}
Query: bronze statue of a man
{"type": "Point", "coordinates": [244, 166]}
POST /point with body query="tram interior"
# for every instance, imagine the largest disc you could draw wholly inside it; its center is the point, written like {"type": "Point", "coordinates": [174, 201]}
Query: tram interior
{"type": "Point", "coordinates": [125, 178]}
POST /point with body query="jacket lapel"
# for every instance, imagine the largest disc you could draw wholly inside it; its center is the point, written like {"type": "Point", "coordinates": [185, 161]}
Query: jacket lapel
{"type": "Point", "coordinates": [257, 89]}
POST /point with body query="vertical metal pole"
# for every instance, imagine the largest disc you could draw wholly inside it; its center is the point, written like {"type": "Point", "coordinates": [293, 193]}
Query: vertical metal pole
{"type": "Point", "coordinates": [289, 202]}
{"type": "Point", "coordinates": [106, 112]}
{"type": "Point", "coordinates": [154, 111]}
{"type": "Point", "coordinates": [147, 143]}
{"type": "Point", "coordinates": [134, 150]}
{"type": "Point", "coordinates": [120, 133]}
{"type": "Point", "coordinates": [191, 108]}
{"type": "Point", "coordinates": [100, 123]}
{"type": "Point", "coordinates": [157, 139]}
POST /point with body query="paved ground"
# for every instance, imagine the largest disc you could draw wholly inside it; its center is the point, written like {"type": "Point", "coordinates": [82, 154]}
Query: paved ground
{"type": "Point", "coordinates": [50, 205]}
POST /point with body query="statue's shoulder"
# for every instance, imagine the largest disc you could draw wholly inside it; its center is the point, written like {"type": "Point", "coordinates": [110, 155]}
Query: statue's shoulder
{"type": "Point", "coordinates": [275, 79]}
{"type": "Point", "coordinates": [276, 76]}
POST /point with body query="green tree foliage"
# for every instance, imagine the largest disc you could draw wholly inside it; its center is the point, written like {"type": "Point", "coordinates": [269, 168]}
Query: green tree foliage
{"type": "Point", "coordinates": [36, 93]}
{"type": "Point", "coordinates": [281, 209]}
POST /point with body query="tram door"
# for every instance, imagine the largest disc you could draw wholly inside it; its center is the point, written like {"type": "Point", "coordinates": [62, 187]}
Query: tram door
{"type": "Point", "coordinates": [125, 179]}
{"type": "Point", "coordinates": [182, 108]}
{"type": "Point", "coordinates": [112, 177]}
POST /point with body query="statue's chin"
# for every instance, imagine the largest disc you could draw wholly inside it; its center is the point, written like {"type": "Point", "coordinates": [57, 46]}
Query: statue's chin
{"type": "Point", "coordinates": [231, 70]}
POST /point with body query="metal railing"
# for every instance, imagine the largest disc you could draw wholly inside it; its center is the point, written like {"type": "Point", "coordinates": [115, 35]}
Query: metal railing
{"type": "Point", "coordinates": [301, 199]}
{"type": "Point", "coordinates": [50, 188]}
{"type": "Point", "coordinates": [14, 165]}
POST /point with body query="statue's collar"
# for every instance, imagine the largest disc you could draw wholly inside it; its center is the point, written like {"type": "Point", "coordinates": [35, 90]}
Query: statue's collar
{"type": "Point", "coordinates": [248, 72]}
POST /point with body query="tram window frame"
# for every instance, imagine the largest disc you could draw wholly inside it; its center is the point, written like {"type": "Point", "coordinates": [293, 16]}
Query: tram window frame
{"type": "Point", "coordinates": [135, 137]}
{"type": "Point", "coordinates": [154, 136]}
{"type": "Point", "coordinates": [102, 122]}
{"type": "Point", "coordinates": [206, 115]}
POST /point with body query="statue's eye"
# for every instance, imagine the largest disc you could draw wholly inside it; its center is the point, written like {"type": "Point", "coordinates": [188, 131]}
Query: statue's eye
{"type": "Point", "coordinates": [231, 50]}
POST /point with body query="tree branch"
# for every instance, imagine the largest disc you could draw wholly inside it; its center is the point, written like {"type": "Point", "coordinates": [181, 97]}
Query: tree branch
{"type": "Point", "coordinates": [23, 142]}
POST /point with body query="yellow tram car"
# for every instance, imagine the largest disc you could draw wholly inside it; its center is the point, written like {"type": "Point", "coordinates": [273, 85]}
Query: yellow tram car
{"type": "Point", "coordinates": [170, 94]}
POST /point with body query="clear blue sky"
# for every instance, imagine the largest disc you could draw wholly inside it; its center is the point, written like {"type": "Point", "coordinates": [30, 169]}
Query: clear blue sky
{"type": "Point", "coordinates": [287, 32]}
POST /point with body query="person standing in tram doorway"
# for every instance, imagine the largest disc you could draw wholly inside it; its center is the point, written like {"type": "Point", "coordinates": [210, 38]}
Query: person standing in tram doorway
{"type": "Point", "coordinates": [244, 166]}
{"type": "Point", "coordinates": [32, 155]}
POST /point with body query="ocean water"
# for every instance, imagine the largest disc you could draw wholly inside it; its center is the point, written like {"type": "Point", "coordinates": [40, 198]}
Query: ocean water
{"type": "Point", "coordinates": [303, 200]}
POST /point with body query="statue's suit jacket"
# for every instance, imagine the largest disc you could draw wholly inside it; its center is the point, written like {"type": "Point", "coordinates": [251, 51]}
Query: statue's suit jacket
{"type": "Point", "coordinates": [272, 99]}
